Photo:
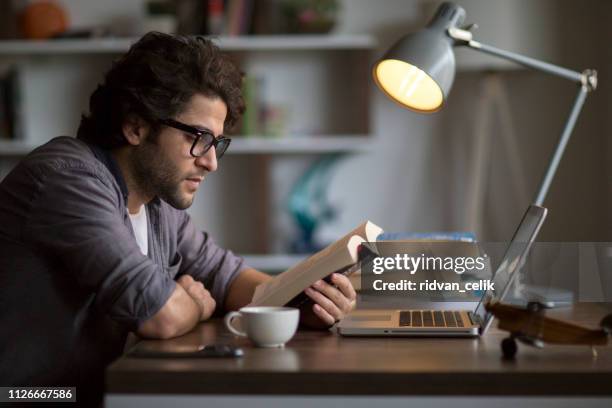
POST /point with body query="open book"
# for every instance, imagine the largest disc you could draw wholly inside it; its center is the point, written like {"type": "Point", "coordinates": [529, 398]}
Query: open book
{"type": "Point", "coordinates": [342, 256]}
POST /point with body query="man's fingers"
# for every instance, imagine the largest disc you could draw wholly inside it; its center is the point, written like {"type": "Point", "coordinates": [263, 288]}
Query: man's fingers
{"type": "Point", "coordinates": [198, 292]}
{"type": "Point", "coordinates": [209, 306]}
{"type": "Point", "coordinates": [192, 286]}
{"type": "Point", "coordinates": [333, 294]}
{"type": "Point", "coordinates": [345, 286]}
{"type": "Point", "coordinates": [185, 281]}
{"type": "Point", "coordinates": [325, 303]}
{"type": "Point", "coordinates": [197, 289]}
{"type": "Point", "coordinates": [323, 315]}
{"type": "Point", "coordinates": [206, 302]}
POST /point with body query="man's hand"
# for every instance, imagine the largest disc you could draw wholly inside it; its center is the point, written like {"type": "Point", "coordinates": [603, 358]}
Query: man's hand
{"type": "Point", "coordinates": [332, 302]}
{"type": "Point", "coordinates": [199, 294]}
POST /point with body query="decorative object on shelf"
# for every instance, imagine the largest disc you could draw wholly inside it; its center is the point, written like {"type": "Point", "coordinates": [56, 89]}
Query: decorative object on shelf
{"type": "Point", "coordinates": [262, 117]}
{"type": "Point", "coordinates": [309, 205]}
{"type": "Point", "coordinates": [214, 17]}
{"type": "Point", "coordinates": [41, 20]}
{"type": "Point", "coordinates": [160, 16]}
{"type": "Point", "coordinates": [93, 32]}
{"type": "Point", "coordinates": [310, 16]}
{"type": "Point", "coordinates": [530, 326]}
{"type": "Point", "coordinates": [274, 118]}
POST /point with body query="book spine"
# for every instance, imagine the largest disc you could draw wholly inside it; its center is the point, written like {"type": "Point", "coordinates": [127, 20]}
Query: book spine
{"type": "Point", "coordinates": [11, 125]}
{"type": "Point", "coordinates": [215, 23]}
{"type": "Point", "coordinates": [4, 120]}
{"type": "Point", "coordinates": [251, 97]}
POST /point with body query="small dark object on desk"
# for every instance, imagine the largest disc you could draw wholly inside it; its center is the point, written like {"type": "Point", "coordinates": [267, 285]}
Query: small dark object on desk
{"type": "Point", "coordinates": [606, 324]}
{"type": "Point", "coordinates": [208, 351]}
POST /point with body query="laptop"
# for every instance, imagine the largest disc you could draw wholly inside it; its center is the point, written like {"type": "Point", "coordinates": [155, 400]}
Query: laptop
{"type": "Point", "coordinates": [449, 322]}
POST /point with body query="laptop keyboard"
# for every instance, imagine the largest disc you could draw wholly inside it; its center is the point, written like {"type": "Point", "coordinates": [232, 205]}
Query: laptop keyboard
{"type": "Point", "coordinates": [430, 318]}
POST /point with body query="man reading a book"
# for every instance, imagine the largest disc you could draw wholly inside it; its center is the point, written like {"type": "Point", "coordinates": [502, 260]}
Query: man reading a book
{"type": "Point", "coordinates": [95, 241]}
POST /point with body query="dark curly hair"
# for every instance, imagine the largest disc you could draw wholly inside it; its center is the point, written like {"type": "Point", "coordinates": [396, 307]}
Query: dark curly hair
{"type": "Point", "coordinates": [155, 80]}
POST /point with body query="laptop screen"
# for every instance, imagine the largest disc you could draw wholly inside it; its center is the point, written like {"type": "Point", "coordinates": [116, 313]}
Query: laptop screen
{"type": "Point", "coordinates": [513, 259]}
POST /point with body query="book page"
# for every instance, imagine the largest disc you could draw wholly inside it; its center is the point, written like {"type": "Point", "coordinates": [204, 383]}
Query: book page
{"type": "Point", "coordinates": [371, 231]}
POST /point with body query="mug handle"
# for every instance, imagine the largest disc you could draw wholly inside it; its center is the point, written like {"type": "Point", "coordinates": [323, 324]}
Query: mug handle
{"type": "Point", "coordinates": [228, 323]}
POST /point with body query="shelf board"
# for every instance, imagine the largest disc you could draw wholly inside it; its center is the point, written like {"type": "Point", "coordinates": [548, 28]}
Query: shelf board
{"type": "Point", "coordinates": [297, 42]}
{"type": "Point", "coordinates": [253, 145]}
{"type": "Point", "coordinates": [303, 144]}
{"type": "Point", "coordinates": [274, 262]}
{"type": "Point", "coordinates": [244, 43]}
{"type": "Point", "coordinates": [69, 46]}
{"type": "Point", "coordinates": [15, 148]}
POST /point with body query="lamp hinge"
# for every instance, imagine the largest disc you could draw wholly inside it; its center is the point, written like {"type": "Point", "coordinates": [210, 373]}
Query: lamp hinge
{"type": "Point", "coordinates": [462, 34]}
{"type": "Point", "coordinates": [589, 79]}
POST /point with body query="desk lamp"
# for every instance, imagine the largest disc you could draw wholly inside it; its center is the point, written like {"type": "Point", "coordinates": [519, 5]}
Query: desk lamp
{"type": "Point", "coordinates": [418, 72]}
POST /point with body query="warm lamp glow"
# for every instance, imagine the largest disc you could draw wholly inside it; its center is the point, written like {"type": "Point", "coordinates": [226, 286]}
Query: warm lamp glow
{"type": "Point", "coordinates": [408, 85]}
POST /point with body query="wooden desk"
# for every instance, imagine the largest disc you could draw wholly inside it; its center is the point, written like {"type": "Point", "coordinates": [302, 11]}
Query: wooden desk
{"type": "Point", "coordinates": [323, 364]}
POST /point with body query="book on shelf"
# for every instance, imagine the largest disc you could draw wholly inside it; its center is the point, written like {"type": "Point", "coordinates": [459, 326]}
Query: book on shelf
{"type": "Point", "coordinates": [345, 256]}
{"type": "Point", "coordinates": [239, 17]}
{"type": "Point", "coordinates": [251, 90]}
{"type": "Point", "coordinates": [10, 99]}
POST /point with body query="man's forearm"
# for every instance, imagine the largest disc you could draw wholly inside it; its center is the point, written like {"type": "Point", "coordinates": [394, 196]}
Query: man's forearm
{"type": "Point", "coordinates": [242, 288]}
{"type": "Point", "coordinates": [179, 315]}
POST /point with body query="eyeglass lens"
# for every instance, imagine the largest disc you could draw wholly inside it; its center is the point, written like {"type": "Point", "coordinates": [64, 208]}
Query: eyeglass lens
{"type": "Point", "coordinates": [204, 143]}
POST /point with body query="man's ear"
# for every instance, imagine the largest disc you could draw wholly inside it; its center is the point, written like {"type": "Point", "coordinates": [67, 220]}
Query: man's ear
{"type": "Point", "coordinates": [134, 129]}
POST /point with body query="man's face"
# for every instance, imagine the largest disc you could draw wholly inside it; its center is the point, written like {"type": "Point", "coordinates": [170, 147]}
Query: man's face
{"type": "Point", "coordinates": [162, 165]}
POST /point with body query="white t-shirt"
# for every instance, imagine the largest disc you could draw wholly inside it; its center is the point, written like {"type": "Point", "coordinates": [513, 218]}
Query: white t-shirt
{"type": "Point", "coordinates": [140, 226]}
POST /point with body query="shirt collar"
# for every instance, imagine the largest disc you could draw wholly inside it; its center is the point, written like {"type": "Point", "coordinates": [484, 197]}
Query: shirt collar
{"type": "Point", "coordinates": [109, 161]}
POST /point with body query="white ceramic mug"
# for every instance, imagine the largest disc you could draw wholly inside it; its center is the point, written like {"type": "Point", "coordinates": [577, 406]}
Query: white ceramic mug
{"type": "Point", "coordinates": [264, 325]}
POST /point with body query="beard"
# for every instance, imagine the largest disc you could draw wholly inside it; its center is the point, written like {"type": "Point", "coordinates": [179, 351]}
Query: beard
{"type": "Point", "coordinates": [156, 175]}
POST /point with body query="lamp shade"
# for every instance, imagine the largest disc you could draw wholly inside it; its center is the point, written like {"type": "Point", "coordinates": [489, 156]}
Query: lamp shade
{"type": "Point", "coordinates": [418, 71]}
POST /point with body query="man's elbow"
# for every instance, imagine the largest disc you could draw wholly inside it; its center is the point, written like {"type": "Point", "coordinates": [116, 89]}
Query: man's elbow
{"type": "Point", "coordinates": [178, 315]}
{"type": "Point", "coordinates": [158, 328]}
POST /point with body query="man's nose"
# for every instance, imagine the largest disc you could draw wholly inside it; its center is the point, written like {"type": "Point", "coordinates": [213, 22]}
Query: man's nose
{"type": "Point", "coordinates": [208, 159]}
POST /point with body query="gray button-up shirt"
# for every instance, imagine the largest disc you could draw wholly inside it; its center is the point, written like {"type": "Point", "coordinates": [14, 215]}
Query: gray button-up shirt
{"type": "Point", "coordinates": [73, 281]}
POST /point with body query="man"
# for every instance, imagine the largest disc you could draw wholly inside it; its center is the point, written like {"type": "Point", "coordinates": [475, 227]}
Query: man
{"type": "Point", "coordinates": [94, 239]}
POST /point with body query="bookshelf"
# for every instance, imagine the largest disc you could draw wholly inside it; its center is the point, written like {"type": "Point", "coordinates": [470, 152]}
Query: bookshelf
{"type": "Point", "coordinates": [250, 43]}
{"type": "Point", "coordinates": [252, 145]}
{"type": "Point", "coordinates": [322, 80]}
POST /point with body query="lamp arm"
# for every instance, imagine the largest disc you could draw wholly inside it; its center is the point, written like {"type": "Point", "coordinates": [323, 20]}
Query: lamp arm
{"type": "Point", "coordinates": [586, 79]}
{"type": "Point", "coordinates": [527, 61]}
{"type": "Point", "coordinates": [464, 37]}
{"type": "Point", "coordinates": [563, 139]}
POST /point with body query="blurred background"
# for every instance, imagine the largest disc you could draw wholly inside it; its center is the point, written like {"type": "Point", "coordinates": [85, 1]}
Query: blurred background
{"type": "Point", "coordinates": [320, 149]}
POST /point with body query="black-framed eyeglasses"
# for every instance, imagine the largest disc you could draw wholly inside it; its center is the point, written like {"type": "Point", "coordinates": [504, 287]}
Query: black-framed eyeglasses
{"type": "Point", "coordinates": [202, 139]}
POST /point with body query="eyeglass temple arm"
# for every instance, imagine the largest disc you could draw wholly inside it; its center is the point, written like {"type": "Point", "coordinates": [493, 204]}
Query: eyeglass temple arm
{"type": "Point", "coordinates": [587, 80]}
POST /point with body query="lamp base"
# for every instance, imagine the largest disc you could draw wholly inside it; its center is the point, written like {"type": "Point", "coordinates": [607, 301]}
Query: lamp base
{"type": "Point", "coordinates": [552, 297]}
